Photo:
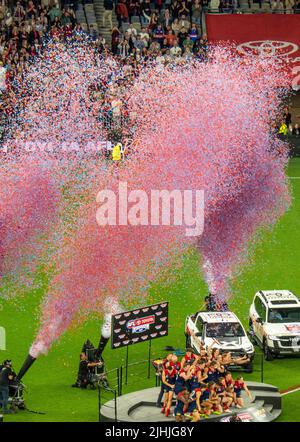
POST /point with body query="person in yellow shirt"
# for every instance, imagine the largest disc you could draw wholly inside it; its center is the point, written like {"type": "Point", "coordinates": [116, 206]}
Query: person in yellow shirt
{"type": "Point", "coordinates": [283, 129]}
{"type": "Point", "coordinates": [117, 152]}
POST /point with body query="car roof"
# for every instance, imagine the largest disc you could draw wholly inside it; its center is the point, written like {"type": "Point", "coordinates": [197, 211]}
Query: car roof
{"type": "Point", "coordinates": [218, 317]}
{"type": "Point", "coordinates": [279, 297]}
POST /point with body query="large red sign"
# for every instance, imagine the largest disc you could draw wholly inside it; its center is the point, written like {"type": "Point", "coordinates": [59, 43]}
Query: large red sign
{"type": "Point", "coordinates": [276, 35]}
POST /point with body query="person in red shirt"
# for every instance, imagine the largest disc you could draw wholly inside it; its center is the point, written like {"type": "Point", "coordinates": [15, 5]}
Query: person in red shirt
{"type": "Point", "coordinates": [122, 12]}
{"type": "Point", "coordinates": [240, 385]}
{"type": "Point", "coordinates": [170, 38]}
{"type": "Point", "coordinates": [188, 358]}
{"type": "Point", "coordinates": [229, 380]}
{"type": "Point", "coordinates": [169, 376]}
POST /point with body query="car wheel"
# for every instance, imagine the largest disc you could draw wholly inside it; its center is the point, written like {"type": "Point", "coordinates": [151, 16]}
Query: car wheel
{"type": "Point", "coordinates": [267, 353]}
{"type": "Point", "coordinates": [249, 368]}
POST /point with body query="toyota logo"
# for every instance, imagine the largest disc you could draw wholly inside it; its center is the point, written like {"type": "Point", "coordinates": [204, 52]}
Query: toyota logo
{"type": "Point", "coordinates": [269, 48]}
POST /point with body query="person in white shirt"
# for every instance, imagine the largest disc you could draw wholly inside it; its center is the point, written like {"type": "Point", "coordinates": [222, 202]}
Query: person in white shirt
{"type": "Point", "coordinates": [2, 77]}
{"type": "Point", "coordinates": [131, 31]}
{"type": "Point", "coordinates": [175, 50]}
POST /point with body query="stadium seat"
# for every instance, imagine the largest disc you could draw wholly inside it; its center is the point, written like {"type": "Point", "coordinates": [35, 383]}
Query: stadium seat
{"type": "Point", "coordinates": [135, 19]}
{"type": "Point", "coordinates": [125, 26]}
{"type": "Point", "coordinates": [89, 8]}
{"type": "Point", "coordinates": [137, 26]}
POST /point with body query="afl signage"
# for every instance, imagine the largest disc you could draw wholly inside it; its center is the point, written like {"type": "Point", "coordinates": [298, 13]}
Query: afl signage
{"type": "Point", "coordinates": [139, 325]}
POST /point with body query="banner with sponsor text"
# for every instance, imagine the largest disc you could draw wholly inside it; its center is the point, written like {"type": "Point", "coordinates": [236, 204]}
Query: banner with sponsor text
{"type": "Point", "coordinates": [139, 325]}
{"type": "Point", "coordinates": [276, 35]}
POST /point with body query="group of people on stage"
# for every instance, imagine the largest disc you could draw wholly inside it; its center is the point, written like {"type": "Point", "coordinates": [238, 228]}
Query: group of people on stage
{"type": "Point", "coordinates": [201, 383]}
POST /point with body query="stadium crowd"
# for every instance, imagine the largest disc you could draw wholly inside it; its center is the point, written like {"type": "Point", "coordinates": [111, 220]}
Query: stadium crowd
{"type": "Point", "coordinates": [166, 31]}
{"type": "Point", "coordinates": [201, 384]}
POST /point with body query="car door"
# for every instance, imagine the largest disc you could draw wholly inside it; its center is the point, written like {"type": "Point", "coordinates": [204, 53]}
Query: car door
{"type": "Point", "coordinates": [259, 318]}
{"type": "Point", "coordinates": [195, 340]}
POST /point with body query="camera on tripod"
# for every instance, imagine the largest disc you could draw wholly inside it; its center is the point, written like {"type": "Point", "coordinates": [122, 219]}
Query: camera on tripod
{"type": "Point", "coordinates": [91, 371]}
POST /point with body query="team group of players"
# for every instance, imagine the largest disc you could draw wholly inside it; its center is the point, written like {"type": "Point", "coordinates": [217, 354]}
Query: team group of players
{"type": "Point", "coordinates": [201, 383]}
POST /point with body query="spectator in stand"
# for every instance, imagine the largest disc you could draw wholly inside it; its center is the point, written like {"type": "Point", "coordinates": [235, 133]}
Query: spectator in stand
{"type": "Point", "coordinates": [107, 15]}
{"type": "Point", "coordinates": [131, 31]}
{"type": "Point", "coordinates": [196, 12]}
{"type": "Point", "coordinates": [170, 38]}
{"type": "Point", "coordinates": [283, 130]}
{"type": "Point", "coordinates": [296, 130]}
{"type": "Point", "coordinates": [287, 116]}
{"type": "Point", "coordinates": [93, 33]}
{"type": "Point", "coordinates": [188, 45]}
{"type": "Point", "coordinates": [134, 9]}
{"type": "Point", "coordinates": [123, 48]}
{"type": "Point", "coordinates": [289, 4]}
{"type": "Point", "coordinates": [122, 13]}
{"type": "Point", "coordinates": [176, 6]}
{"type": "Point", "coordinates": [2, 77]}
{"type": "Point", "coordinates": [145, 37]}
{"type": "Point", "coordinates": [182, 35]}
{"type": "Point", "coordinates": [176, 26]}
{"type": "Point", "coordinates": [175, 51]}
{"type": "Point", "coordinates": [158, 5]}
{"type": "Point", "coordinates": [139, 43]}
{"type": "Point", "coordinates": [54, 13]}
{"type": "Point", "coordinates": [277, 6]}
{"type": "Point", "coordinates": [194, 34]}
{"type": "Point", "coordinates": [184, 10]}
{"type": "Point", "coordinates": [115, 40]}
{"type": "Point", "coordinates": [297, 7]}
{"type": "Point", "coordinates": [167, 18]}
{"type": "Point", "coordinates": [153, 20]}
{"type": "Point", "coordinates": [145, 13]}
{"type": "Point", "coordinates": [183, 22]}
{"type": "Point", "coordinates": [159, 35]}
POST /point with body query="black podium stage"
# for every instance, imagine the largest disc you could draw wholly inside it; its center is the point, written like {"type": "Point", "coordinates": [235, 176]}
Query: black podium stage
{"type": "Point", "coordinates": [139, 406]}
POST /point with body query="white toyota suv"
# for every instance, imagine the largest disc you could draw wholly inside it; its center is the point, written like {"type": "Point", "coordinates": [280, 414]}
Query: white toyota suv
{"type": "Point", "coordinates": [223, 330]}
{"type": "Point", "coordinates": [274, 321]}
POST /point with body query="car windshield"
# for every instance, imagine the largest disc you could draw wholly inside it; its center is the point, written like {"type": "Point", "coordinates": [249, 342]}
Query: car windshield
{"type": "Point", "coordinates": [282, 315]}
{"type": "Point", "coordinates": [226, 330]}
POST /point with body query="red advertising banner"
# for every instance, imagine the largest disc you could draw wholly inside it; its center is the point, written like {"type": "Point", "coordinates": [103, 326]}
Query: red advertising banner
{"type": "Point", "coordinates": [276, 35]}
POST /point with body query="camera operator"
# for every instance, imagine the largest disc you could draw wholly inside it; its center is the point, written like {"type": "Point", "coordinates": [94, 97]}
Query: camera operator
{"type": "Point", "coordinates": [83, 378]}
{"type": "Point", "coordinates": [6, 375]}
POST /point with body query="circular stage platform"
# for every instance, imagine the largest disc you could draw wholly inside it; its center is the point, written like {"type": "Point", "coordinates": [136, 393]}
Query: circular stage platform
{"type": "Point", "coordinates": [140, 406]}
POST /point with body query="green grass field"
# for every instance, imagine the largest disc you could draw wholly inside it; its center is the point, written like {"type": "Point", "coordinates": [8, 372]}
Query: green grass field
{"type": "Point", "coordinates": [275, 264]}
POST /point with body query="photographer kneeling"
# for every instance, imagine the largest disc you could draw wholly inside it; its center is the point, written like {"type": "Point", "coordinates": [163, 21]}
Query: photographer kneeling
{"type": "Point", "coordinates": [6, 375]}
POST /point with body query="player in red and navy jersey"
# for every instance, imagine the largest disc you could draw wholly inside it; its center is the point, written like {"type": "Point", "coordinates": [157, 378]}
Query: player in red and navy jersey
{"type": "Point", "coordinates": [189, 358]}
{"type": "Point", "coordinates": [214, 399]}
{"type": "Point", "coordinates": [169, 376]}
{"type": "Point", "coordinates": [240, 385]}
{"type": "Point", "coordinates": [202, 370]}
{"type": "Point", "coordinates": [183, 377]}
{"type": "Point", "coordinates": [226, 400]}
{"type": "Point", "coordinates": [205, 404]}
{"type": "Point", "coordinates": [229, 380]}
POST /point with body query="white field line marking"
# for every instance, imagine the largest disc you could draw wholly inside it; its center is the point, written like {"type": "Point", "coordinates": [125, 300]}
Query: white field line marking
{"type": "Point", "coordinates": [292, 391]}
{"type": "Point", "coordinates": [294, 177]}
